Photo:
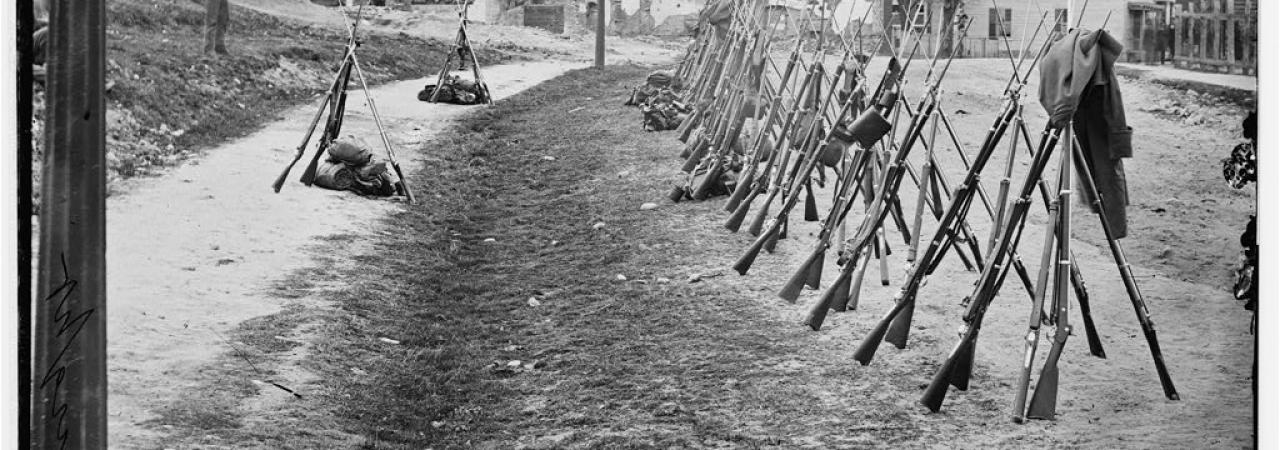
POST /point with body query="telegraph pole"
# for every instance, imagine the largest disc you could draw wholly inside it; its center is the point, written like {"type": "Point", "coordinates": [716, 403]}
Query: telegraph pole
{"type": "Point", "coordinates": [26, 82]}
{"type": "Point", "coordinates": [69, 385]}
{"type": "Point", "coordinates": [600, 24]}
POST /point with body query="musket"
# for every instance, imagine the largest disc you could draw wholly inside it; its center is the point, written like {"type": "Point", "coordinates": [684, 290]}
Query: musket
{"type": "Point", "coordinates": [901, 324]}
{"type": "Point", "coordinates": [1045, 398]}
{"type": "Point", "coordinates": [791, 140]}
{"type": "Point", "coordinates": [402, 184]}
{"type": "Point", "coordinates": [892, 72]}
{"type": "Point", "coordinates": [306, 139]}
{"type": "Point", "coordinates": [777, 158]}
{"type": "Point", "coordinates": [1032, 338]}
{"type": "Point", "coordinates": [1126, 275]}
{"type": "Point", "coordinates": [958, 365]}
{"type": "Point", "coordinates": [892, 177]}
{"type": "Point", "coordinates": [810, 271]}
{"type": "Point", "coordinates": [922, 198]}
{"type": "Point", "coordinates": [847, 189]}
{"type": "Point", "coordinates": [754, 74]}
{"type": "Point", "coordinates": [838, 295]}
{"type": "Point", "coordinates": [1077, 280]}
{"type": "Point", "coordinates": [844, 202]}
{"type": "Point", "coordinates": [338, 101]}
{"type": "Point", "coordinates": [905, 299]}
{"type": "Point", "coordinates": [752, 163]}
{"type": "Point", "coordinates": [906, 303]}
{"type": "Point", "coordinates": [696, 150]}
{"type": "Point", "coordinates": [808, 163]}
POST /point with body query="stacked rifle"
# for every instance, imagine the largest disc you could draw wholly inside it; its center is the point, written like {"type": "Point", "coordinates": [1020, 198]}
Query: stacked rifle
{"type": "Point", "coordinates": [807, 118]}
{"type": "Point", "coordinates": [335, 103]}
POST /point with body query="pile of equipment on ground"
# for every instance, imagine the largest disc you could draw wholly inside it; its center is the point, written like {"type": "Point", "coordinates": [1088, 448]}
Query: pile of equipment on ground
{"type": "Point", "coordinates": [457, 89]}
{"type": "Point", "coordinates": [767, 132]}
{"type": "Point", "coordinates": [659, 100]}
{"type": "Point", "coordinates": [351, 166]}
{"type": "Point", "coordinates": [347, 163]}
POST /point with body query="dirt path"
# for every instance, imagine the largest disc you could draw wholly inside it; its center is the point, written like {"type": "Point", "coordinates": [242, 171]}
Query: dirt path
{"type": "Point", "coordinates": [194, 253]}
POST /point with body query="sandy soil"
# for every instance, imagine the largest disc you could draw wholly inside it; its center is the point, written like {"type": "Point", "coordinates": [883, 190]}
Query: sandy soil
{"type": "Point", "coordinates": [194, 253]}
{"type": "Point", "coordinates": [1116, 402]}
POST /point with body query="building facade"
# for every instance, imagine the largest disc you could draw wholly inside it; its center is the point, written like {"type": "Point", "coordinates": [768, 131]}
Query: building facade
{"type": "Point", "coordinates": [1139, 25]}
{"type": "Point", "coordinates": [1142, 26]}
{"type": "Point", "coordinates": [1216, 35]}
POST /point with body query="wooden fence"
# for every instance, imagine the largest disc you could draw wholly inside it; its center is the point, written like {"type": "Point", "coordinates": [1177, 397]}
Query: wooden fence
{"type": "Point", "coordinates": [1217, 35]}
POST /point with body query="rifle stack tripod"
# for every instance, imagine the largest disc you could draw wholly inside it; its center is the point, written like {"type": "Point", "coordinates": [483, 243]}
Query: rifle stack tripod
{"type": "Point", "coordinates": [335, 102]}
{"type": "Point", "coordinates": [809, 118]}
{"type": "Point", "coordinates": [464, 54]}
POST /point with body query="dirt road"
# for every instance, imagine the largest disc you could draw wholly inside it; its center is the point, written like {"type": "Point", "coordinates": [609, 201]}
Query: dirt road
{"type": "Point", "coordinates": [194, 253]}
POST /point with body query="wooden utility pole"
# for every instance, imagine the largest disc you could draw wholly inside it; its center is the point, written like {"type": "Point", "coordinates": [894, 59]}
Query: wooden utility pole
{"type": "Point", "coordinates": [69, 404]}
{"type": "Point", "coordinates": [26, 81]}
{"type": "Point", "coordinates": [599, 32]}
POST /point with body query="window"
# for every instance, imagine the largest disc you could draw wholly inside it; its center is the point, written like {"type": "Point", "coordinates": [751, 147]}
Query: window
{"type": "Point", "coordinates": [994, 20]}
{"type": "Point", "coordinates": [1060, 20]}
{"type": "Point", "coordinates": [921, 20]}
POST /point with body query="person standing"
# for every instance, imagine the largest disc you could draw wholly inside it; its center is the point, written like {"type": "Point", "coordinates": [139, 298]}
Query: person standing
{"type": "Point", "coordinates": [216, 18]}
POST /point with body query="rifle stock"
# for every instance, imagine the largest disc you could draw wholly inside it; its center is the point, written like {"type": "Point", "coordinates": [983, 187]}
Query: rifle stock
{"type": "Point", "coordinates": [734, 223]}
{"type": "Point", "coordinates": [757, 223]}
{"type": "Point", "coordinates": [309, 174]}
{"type": "Point", "coordinates": [1045, 399]}
{"type": "Point", "coordinates": [936, 392]}
{"type": "Point", "coordinates": [963, 368]}
{"type": "Point", "coordinates": [815, 272]}
{"type": "Point", "coordinates": [1024, 376]}
{"type": "Point", "coordinates": [840, 289]}
{"type": "Point", "coordinates": [818, 314]}
{"type": "Point", "coordinates": [686, 128]}
{"type": "Point", "coordinates": [810, 203]}
{"type": "Point", "coordinates": [791, 291]}
{"type": "Point", "coordinates": [337, 108]}
{"type": "Point", "coordinates": [866, 350]}
{"type": "Point", "coordinates": [855, 290]}
{"type": "Point", "coordinates": [302, 148]}
{"type": "Point", "coordinates": [771, 243]}
{"type": "Point", "coordinates": [900, 328]}
{"type": "Point", "coordinates": [704, 188]}
{"type": "Point", "coordinates": [401, 185]}
{"type": "Point", "coordinates": [740, 191]}
{"type": "Point", "coordinates": [749, 257]}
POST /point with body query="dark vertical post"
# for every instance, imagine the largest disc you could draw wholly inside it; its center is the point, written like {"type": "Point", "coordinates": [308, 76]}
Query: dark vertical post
{"type": "Point", "coordinates": [600, 25]}
{"type": "Point", "coordinates": [26, 78]}
{"type": "Point", "coordinates": [69, 405]}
